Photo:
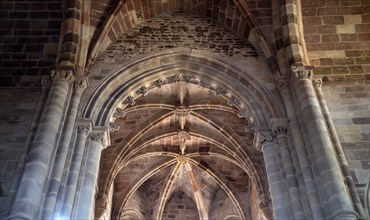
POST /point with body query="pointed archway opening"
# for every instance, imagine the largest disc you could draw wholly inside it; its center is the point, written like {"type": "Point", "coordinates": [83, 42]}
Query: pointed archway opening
{"type": "Point", "coordinates": [182, 120]}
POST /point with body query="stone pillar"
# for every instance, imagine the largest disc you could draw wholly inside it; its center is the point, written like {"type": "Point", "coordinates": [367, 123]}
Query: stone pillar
{"type": "Point", "coordinates": [280, 128]}
{"type": "Point", "coordinates": [299, 146]}
{"type": "Point", "coordinates": [30, 191]}
{"type": "Point", "coordinates": [61, 155]}
{"type": "Point", "coordinates": [84, 206]}
{"type": "Point", "coordinates": [332, 189]}
{"type": "Point", "coordinates": [339, 150]}
{"type": "Point", "coordinates": [74, 172]}
{"type": "Point", "coordinates": [266, 141]}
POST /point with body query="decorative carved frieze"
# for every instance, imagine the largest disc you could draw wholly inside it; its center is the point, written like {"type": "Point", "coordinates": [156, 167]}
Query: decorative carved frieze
{"type": "Point", "coordinates": [142, 91]}
{"type": "Point", "coordinates": [244, 113]}
{"type": "Point", "coordinates": [119, 113]}
{"type": "Point", "coordinates": [66, 75]}
{"type": "Point", "coordinates": [233, 101]}
{"type": "Point", "coordinates": [220, 91]}
{"type": "Point", "coordinates": [129, 101]}
{"type": "Point", "coordinates": [158, 83]}
{"type": "Point", "coordinates": [182, 110]}
{"type": "Point", "coordinates": [173, 79]}
{"type": "Point", "coordinates": [250, 128]}
{"type": "Point", "coordinates": [113, 127]}
{"type": "Point", "coordinates": [301, 72]}
{"type": "Point", "coordinates": [205, 83]}
{"type": "Point", "coordinates": [83, 128]}
{"type": "Point", "coordinates": [187, 78]}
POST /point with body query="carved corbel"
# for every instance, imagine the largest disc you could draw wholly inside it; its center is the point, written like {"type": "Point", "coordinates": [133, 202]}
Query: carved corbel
{"type": "Point", "coordinates": [129, 101]}
{"type": "Point", "coordinates": [301, 72]}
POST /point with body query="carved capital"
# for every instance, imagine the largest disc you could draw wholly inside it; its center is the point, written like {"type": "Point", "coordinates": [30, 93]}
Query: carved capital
{"type": "Point", "coordinates": [83, 128]}
{"type": "Point", "coordinates": [113, 127]}
{"type": "Point", "coordinates": [119, 113]}
{"type": "Point", "coordinates": [262, 138]}
{"type": "Point", "coordinates": [182, 110]}
{"type": "Point", "coordinates": [301, 72]}
{"type": "Point", "coordinates": [81, 84]}
{"type": "Point", "coordinates": [66, 75]}
{"type": "Point", "coordinates": [97, 136]}
{"type": "Point", "coordinates": [317, 83]}
{"type": "Point", "coordinates": [129, 101]}
{"type": "Point", "coordinates": [279, 126]}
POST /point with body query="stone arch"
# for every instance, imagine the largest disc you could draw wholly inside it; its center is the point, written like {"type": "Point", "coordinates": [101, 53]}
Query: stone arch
{"type": "Point", "coordinates": [126, 81]}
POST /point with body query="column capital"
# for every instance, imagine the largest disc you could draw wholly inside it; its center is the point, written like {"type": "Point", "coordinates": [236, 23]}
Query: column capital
{"type": "Point", "coordinates": [83, 128]}
{"type": "Point", "coordinates": [97, 136]}
{"type": "Point", "coordinates": [301, 72]}
{"type": "Point", "coordinates": [63, 74]}
{"type": "Point", "coordinates": [101, 135]}
{"type": "Point", "coordinates": [279, 126]}
{"type": "Point", "coordinates": [263, 137]}
{"type": "Point", "coordinates": [81, 83]}
{"type": "Point", "coordinates": [317, 82]}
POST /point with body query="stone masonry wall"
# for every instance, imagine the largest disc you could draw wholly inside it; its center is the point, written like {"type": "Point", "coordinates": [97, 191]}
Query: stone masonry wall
{"type": "Point", "coordinates": [337, 35]}
{"type": "Point", "coordinates": [350, 110]}
{"type": "Point", "coordinates": [180, 207]}
{"type": "Point", "coordinates": [29, 39]}
{"type": "Point", "coordinates": [17, 111]}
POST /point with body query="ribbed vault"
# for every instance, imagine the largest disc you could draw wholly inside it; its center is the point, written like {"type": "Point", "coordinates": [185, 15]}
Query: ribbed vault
{"type": "Point", "coordinates": [182, 121]}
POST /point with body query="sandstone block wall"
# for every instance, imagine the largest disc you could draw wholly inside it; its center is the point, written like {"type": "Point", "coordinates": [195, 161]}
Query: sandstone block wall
{"type": "Point", "coordinates": [29, 38]}
{"type": "Point", "coordinates": [17, 111]}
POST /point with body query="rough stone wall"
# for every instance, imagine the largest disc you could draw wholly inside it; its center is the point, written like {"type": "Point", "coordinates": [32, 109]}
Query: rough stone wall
{"type": "Point", "coordinates": [350, 109]}
{"type": "Point", "coordinates": [181, 207]}
{"type": "Point", "coordinates": [337, 34]}
{"type": "Point", "coordinates": [29, 39]}
{"type": "Point", "coordinates": [17, 111]}
{"type": "Point", "coordinates": [178, 30]}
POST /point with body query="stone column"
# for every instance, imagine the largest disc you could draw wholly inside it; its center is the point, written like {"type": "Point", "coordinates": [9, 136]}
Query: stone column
{"type": "Point", "coordinates": [74, 172]}
{"type": "Point", "coordinates": [30, 191]}
{"type": "Point", "coordinates": [338, 149]}
{"type": "Point", "coordinates": [64, 144]}
{"type": "Point", "coordinates": [84, 206]}
{"type": "Point", "coordinates": [280, 128]}
{"type": "Point", "coordinates": [266, 141]}
{"type": "Point", "coordinates": [299, 146]}
{"type": "Point", "coordinates": [332, 189]}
